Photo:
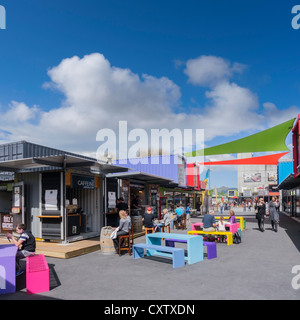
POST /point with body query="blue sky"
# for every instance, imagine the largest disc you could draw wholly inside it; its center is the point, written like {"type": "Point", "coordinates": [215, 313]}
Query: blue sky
{"type": "Point", "coordinates": [70, 68]}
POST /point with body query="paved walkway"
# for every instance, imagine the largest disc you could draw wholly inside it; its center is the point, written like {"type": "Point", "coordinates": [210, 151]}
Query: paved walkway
{"type": "Point", "coordinates": [258, 268]}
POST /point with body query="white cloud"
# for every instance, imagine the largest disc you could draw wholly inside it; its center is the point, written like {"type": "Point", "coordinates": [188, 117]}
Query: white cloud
{"type": "Point", "coordinates": [99, 95]}
{"type": "Point", "coordinates": [274, 116]}
{"type": "Point", "coordinates": [210, 70]}
{"type": "Point", "coordinates": [19, 112]}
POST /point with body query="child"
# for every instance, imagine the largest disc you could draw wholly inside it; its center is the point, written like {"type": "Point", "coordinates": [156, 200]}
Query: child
{"type": "Point", "coordinates": [221, 227]}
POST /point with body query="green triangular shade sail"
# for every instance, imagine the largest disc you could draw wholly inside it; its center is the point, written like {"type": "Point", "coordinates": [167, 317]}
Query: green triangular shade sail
{"type": "Point", "coordinates": [272, 139]}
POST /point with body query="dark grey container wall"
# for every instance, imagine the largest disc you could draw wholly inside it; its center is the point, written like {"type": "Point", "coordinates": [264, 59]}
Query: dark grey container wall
{"type": "Point", "coordinates": [32, 200]}
{"type": "Point", "coordinates": [11, 151]}
{"type": "Point", "coordinates": [24, 149]}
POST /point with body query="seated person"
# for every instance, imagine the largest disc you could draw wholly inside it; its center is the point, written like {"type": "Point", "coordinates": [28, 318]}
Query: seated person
{"type": "Point", "coordinates": [221, 224]}
{"type": "Point", "coordinates": [166, 219]}
{"type": "Point", "coordinates": [209, 221]}
{"type": "Point", "coordinates": [26, 244]}
{"type": "Point", "coordinates": [124, 227]}
{"type": "Point", "coordinates": [179, 212]}
{"type": "Point", "coordinates": [232, 218]}
{"type": "Point", "coordinates": [173, 217]}
{"type": "Point", "coordinates": [148, 219]}
{"type": "Point", "coordinates": [222, 227]}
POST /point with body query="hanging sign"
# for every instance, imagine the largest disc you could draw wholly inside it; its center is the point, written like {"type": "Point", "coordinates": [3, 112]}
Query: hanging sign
{"type": "Point", "coordinates": [82, 182]}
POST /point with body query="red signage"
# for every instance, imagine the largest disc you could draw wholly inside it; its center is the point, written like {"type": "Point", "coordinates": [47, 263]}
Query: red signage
{"type": "Point", "coordinates": [193, 176]}
{"type": "Point", "coordinates": [296, 148]}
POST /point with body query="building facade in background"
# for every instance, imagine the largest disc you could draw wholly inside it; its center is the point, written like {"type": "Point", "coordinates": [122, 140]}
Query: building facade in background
{"type": "Point", "coordinates": [256, 180]}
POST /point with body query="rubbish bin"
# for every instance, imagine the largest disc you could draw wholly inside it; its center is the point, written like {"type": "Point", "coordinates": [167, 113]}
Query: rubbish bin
{"type": "Point", "coordinates": [73, 224]}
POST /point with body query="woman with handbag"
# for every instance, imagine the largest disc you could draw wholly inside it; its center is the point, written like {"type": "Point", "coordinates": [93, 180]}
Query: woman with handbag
{"type": "Point", "coordinates": [261, 213]}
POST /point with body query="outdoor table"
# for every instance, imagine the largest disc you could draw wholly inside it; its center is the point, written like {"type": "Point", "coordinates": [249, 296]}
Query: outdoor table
{"type": "Point", "coordinates": [233, 227]}
{"type": "Point", "coordinates": [240, 219]}
{"type": "Point", "coordinates": [198, 224]}
{"type": "Point", "coordinates": [8, 268]}
{"type": "Point", "coordinates": [194, 244]}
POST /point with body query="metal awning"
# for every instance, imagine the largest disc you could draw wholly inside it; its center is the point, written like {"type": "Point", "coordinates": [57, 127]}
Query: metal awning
{"type": "Point", "coordinates": [141, 177]}
{"type": "Point", "coordinates": [59, 162]}
{"type": "Point", "coordinates": [289, 183]}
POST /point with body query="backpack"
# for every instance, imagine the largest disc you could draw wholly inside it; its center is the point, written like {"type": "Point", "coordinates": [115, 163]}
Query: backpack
{"type": "Point", "coordinates": [237, 238]}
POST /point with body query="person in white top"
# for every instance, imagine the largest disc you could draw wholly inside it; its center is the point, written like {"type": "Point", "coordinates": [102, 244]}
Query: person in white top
{"type": "Point", "coordinates": [221, 227]}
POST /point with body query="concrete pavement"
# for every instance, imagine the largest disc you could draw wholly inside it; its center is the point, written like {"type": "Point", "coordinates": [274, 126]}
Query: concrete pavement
{"type": "Point", "coordinates": [258, 268]}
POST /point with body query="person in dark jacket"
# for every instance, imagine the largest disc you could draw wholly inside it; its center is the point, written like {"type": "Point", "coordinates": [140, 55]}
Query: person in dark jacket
{"type": "Point", "coordinates": [273, 213]}
{"type": "Point", "coordinates": [260, 206]}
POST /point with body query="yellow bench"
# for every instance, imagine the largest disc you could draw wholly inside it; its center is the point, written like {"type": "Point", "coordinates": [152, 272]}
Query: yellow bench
{"type": "Point", "coordinates": [221, 233]}
{"type": "Point", "coordinates": [241, 221]}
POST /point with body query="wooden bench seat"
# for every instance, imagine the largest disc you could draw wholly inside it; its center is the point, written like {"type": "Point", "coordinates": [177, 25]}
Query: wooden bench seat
{"type": "Point", "coordinates": [223, 233]}
{"type": "Point", "coordinates": [176, 253]}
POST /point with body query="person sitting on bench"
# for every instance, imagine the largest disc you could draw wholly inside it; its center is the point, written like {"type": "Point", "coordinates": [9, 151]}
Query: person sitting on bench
{"type": "Point", "coordinates": [148, 219]}
{"type": "Point", "coordinates": [209, 221]}
{"type": "Point", "coordinates": [124, 227]}
{"type": "Point", "coordinates": [166, 219]}
{"type": "Point", "coordinates": [179, 212]}
{"type": "Point", "coordinates": [26, 244]}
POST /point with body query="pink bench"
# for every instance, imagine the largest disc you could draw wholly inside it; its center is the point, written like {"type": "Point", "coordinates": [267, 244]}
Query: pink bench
{"type": "Point", "coordinates": [37, 274]}
{"type": "Point", "coordinates": [233, 227]}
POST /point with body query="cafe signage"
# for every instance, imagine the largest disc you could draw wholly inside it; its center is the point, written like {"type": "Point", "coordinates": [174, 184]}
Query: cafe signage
{"type": "Point", "coordinates": [82, 182]}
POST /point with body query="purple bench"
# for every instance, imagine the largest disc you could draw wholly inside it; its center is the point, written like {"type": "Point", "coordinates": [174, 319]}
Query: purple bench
{"type": "Point", "coordinates": [8, 268]}
{"type": "Point", "coordinates": [211, 246]}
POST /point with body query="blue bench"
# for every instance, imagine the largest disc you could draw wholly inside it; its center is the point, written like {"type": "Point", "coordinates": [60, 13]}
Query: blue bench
{"type": "Point", "coordinates": [176, 253]}
{"type": "Point", "coordinates": [211, 246]}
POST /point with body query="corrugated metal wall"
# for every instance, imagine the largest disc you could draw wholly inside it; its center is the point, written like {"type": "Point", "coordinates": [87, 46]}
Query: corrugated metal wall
{"type": "Point", "coordinates": [24, 149]}
{"type": "Point", "coordinates": [92, 204]}
{"type": "Point", "coordinates": [89, 201]}
{"type": "Point", "coordinates": [32, 200]}
{"type": "Point", "coordinates": [167, 166]}
{"type": "Point", "coordinates": [11, 151]}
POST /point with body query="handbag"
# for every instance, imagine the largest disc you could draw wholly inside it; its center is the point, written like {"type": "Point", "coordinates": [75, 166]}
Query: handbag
{"type": "Point", "coordinates": [237, 238]}
{"type": "Point", "coordinates": [114, 233]}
